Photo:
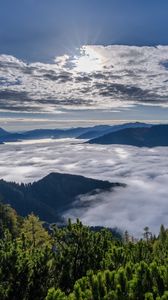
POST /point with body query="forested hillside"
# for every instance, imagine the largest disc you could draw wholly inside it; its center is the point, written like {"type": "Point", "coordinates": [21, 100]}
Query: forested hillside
{"type": "Point", "coordinates": [77, 263]}
{"type": "Point", "coordinates": [52, 195]}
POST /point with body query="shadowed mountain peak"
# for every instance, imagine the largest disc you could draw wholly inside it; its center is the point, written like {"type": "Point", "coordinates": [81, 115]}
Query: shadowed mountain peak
{"type": "Point", "coordinates": [50, 196]}
{"type": "Point", "coordinates": [153, 136]}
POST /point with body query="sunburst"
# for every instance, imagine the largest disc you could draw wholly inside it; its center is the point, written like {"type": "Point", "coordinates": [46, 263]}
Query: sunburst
{"type": "Point", "coordinates": [89, 60]}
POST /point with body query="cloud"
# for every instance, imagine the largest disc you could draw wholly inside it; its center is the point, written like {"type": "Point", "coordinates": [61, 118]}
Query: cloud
{"type": "Point", "coordinates": [97, 77]}
{"type": "Point", "coordinates": [145, 171]}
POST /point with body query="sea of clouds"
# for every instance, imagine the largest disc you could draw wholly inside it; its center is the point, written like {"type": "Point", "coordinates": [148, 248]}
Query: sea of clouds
{"type": "Point", "coordinates": [144, 202]}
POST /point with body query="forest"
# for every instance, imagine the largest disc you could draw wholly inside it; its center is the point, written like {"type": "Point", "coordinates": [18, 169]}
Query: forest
{"type": "Point", "coordinates": [76, 262]}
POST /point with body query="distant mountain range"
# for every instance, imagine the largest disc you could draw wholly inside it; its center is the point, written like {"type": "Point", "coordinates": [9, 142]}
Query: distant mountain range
{"type": "Point", "coordinates": [79, 132]}
{"type": "Point", "coordinates": [134, 134]}
{"type": "Point", "coordinates": [6, 136]}
{"type": "Point", "coordinates": [98, 131]}
{"type": "Point", "coordinates": [52, 195]}
{"type": "Point", "coordinates": [156, 135]}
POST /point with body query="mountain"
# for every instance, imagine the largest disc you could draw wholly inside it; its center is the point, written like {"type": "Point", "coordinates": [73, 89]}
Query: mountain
{"type": "Point", "coordinates": [6, 136]}
{"type": "Point", "coordinates": [101, 130]}
{"type": "Point", "coordinates": [3, 135]}
{"type": "Point", "coordinates": [40, 134]}
{"type": "Point", "coordinates": [59, 133]}
{"type": "Point", "coordinates": [153, 136]}
{"type": "Point", "coordinates": [77, 132]}
{"type": "Point", "coordinates": [95, 131]}
{"type": "Point", "coordinates": [51, 196]}
{"type": "Point", "coordinates": [54, 133]}
{"type": "Point", "coordinates": [11, 137]}
{"type": "Point", "coordinates": [3, 132]}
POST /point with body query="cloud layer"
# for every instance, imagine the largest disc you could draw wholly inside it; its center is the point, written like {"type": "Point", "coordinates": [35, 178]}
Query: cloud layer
{"type": "Point", "coordinates": [96, 77]}
{"type": "Point", "coordinates": [145, 171]}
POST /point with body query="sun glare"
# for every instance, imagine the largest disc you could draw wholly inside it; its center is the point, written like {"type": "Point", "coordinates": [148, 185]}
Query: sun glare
{"type": "Point", "coordinates": [89, 60]}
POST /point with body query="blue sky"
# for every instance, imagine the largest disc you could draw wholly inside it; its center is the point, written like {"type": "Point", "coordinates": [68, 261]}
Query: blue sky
{"type": "Point", "coordinates": [40, 29]}
{"type": "Point", "coordinates": [83, 60]}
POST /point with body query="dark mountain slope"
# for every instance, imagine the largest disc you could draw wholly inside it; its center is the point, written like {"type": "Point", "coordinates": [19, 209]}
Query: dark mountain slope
{"type": "Point", "coordinates": [3, 135]}
{"type": "Point", "coordinates": [98, 131]}
{"type": "Point", "coordinates": [156, 135]}
{"type": "Point", "coordinates": [54, 133]}
{"type": "Point", "coordinates": [95, 131]}
{"type": "Point", "coordinates": [3, 132]}
{"type": "Point", "coordinates": [50, 196]}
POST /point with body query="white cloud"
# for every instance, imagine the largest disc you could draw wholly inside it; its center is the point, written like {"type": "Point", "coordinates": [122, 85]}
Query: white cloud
{"type": "Point", "coordinates": [98, 77]}
{"type": "Point", "coordinates": [145, 171]}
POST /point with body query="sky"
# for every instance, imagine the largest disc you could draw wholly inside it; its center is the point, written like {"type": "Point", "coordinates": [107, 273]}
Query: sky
{"type": "Point", "coordinates": [81, 61]}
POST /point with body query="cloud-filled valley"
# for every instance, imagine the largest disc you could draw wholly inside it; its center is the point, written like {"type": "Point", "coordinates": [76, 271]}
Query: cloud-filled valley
{"type": "Point", "coordinates": [145, 171]}
{"type": "Point", "coordinates": [96, 77]}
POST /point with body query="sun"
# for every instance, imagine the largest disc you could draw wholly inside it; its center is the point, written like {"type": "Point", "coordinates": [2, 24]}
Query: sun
{"type": "Point", "coordinates": [89, 60]}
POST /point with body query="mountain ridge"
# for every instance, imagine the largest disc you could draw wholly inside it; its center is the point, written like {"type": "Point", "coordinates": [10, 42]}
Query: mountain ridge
{"type": "Point", "coordinates": [50, 196]}
{"type": "Point", "coordinates": [74, 132]}
{"type": "Point", "coordinates": [154, 136]}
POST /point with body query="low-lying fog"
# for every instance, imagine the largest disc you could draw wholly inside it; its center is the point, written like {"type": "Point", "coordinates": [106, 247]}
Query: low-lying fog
{"type": "Point", "coordinates": [144, 202]}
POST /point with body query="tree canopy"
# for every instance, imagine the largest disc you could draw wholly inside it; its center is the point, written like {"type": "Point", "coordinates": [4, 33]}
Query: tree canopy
{"type": "Point", "coordinates": [75, 262]}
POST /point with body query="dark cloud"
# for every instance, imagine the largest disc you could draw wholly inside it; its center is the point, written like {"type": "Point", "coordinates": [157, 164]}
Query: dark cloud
{"type": "Point", "coordinates": [82, 78]}
{"type": "Point", "coordinates": [66, 102]}
{"type": "Point", "coordinates": [14, 95]}
{"type": "Point", "coordinates": [99, 75]}
{"type": "Point", "coordinates": [5, 82]}
{"type": "Point", "coordinates": [128, 92]}
{"type": "Point", "coordinates": [62, 78]}
{"type": "Point", "coordinates": [16, 101]}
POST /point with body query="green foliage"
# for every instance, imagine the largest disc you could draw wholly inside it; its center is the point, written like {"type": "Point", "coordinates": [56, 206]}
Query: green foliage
{"type": "Point", "coordinates": [77, 250]}
{"type": "Point", "coordinates": [9, 220]}
{"type": "Point", "coordinates": [34, 233]}
{"type": "Point", "coordinates": [77, 263]}
{"type": "Point", "coordinates": [24, 274]}
{"type": "Point", "coordinates": [55, 295]}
